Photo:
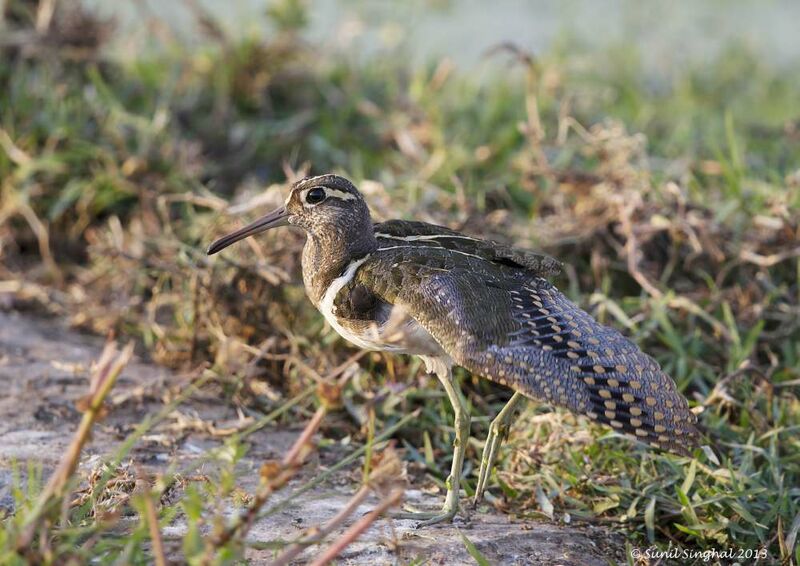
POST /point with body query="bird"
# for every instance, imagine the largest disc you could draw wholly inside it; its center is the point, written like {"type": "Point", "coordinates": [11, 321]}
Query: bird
{"type": "Point", "coordinates": [409, 287]}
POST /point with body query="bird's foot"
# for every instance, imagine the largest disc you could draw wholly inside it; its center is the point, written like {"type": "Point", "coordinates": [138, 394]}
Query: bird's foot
{"type": "Point", "coordinates": [413, 515]}
{"type": "Point", "coordinates": [498, 431]}
{"type": "Point", "coordinates": [427, 518]}
{"type": "Point", "coordinates": [445, 516]}
{"type": "Point", "coordinates": [485, 498]}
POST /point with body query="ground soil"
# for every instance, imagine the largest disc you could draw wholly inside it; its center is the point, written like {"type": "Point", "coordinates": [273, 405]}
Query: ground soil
{"type": "Point", "coordinates": [43, 372]}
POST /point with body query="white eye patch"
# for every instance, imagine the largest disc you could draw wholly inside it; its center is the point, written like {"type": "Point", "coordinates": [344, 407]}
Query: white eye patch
{"type": "Point", "coordinates": [329, 193]}
{"type": "Point", "coordinates": [336, 193]}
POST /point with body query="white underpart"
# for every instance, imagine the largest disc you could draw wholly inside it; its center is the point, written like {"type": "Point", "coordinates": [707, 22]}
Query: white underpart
{"type": "Point", "coordinates": [413, 238]}
{"type": "Point", "coordinates": [370, 340]}
{"type": "Point", "coordinates": [431, 248]}
{"type": "Point", "coordinates": [400, 334]}
{"type": "Point", "coordinates": [439, 365]}
{"type": "Point", "coordinates": [326, 306]}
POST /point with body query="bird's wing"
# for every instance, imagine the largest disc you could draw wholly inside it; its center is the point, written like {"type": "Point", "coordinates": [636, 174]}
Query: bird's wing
{"type": "Point", "coordinates": [424, 235]}
{"type": "Point", "coordinates": [522, 332]}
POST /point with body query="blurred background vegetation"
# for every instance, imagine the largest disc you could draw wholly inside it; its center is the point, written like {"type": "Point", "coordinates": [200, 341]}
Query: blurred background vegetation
{"type": "Point", "coordinates": [655, 149]}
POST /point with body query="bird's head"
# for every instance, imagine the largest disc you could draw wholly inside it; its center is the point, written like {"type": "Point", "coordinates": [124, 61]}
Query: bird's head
{"type": "Point", "coordinates": [323, 205]}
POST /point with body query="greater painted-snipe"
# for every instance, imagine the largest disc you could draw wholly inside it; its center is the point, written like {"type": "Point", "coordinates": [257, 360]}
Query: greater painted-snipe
{"type": "Point", "coordinates": [415, 288]}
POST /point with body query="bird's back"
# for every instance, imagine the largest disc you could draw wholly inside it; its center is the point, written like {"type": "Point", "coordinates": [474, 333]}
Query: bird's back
{"type": "Point", "coordinates": [490, 308]}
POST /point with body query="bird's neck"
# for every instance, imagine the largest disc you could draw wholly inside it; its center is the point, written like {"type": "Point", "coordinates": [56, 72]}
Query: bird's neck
{"type": "Point", "coordinates": [327, 254]}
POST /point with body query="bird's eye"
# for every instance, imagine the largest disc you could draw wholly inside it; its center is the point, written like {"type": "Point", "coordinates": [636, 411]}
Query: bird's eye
{"type": "Point", "coordinates": [315, 196]}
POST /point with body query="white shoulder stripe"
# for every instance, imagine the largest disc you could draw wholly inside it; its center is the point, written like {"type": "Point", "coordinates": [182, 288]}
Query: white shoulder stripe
{"type": "Point", "coordinates": [416, 237]}
{"type": "Point", "coordinates": [431, 248]}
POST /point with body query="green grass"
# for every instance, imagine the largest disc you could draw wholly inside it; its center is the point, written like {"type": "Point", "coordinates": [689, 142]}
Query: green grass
{"type": "Point", "coordinates": [99, 150]}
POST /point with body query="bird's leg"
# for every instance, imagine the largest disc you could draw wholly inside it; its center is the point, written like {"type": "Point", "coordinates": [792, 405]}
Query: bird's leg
{"type": "Point", "coordinates": [498, 431]}
{"type": "Point", "coordinates": [462, 421]}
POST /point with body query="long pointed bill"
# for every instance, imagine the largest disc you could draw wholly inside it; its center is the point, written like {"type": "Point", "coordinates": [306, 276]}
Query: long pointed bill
{"type": "Point", "coordinates": [278, 217]}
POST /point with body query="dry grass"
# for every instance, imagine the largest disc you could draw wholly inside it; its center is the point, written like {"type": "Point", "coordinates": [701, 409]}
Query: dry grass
{"type": "Point", "coordinates": [686, 235]}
